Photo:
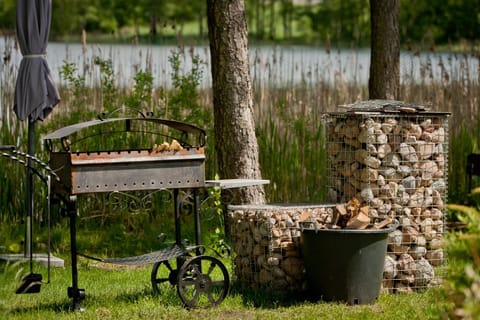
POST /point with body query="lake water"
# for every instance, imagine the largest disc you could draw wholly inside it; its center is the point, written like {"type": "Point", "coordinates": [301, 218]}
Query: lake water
{"type": "Point", "coordinates": [270, 65]}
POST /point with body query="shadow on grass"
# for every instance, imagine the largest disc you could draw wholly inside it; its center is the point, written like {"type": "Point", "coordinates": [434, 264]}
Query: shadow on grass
{"type": "Point", "coordinates": [267, 299]}
{"type": "Point", "coordinates": [258, 298]}
{"type": "Point", "coordinates": [167, 297]}
{"type": "Point", "coordinates": [56, 307]}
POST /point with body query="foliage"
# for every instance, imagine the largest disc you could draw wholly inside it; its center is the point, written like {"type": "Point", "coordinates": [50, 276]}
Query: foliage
{"type": "Point", "coordinates": [464, 142]}
{"type": "Point", "coordinates": [141, 96]}
{"type": "Point", "coordinates": [69, 72]}
{"type": "Point", "coordinates": [340, 22]}
{"type": "Point", "coordinates": [296, 165]}
{"type": "Point", "coordinates": [215, 228]}
{"type": "Point", "coordinates": [109, 90]}
{"type": "Point", "coordinates": [438, 22]}
{"type": "Point", "coordinates": [463, 270]}
{"type": "Point", "coordinates": [183, 100]}
{"type": "Point", "coordinates": [7, 14]}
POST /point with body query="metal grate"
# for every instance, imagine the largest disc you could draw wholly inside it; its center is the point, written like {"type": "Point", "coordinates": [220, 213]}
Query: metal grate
{"type": "Point", "coordinates": [157, 256]}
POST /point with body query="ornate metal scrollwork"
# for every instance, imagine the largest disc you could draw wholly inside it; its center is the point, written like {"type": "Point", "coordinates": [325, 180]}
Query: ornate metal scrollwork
{"type": "Point", "coordinates": [186, 202]}
{"type": "Point", "coordinates": [140, 201]}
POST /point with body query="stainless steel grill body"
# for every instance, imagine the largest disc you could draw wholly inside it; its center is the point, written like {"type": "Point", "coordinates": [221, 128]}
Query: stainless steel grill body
{"type": "Point", "coordinates": [132, 170]}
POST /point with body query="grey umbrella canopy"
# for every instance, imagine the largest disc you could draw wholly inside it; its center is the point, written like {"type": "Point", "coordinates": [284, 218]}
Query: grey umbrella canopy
{"type": "Point", "coordinates": [35, 91]}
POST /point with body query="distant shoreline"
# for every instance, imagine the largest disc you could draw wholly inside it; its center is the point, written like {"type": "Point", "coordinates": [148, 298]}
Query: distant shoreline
{"type": "Point", "coordinates": [195, 40]}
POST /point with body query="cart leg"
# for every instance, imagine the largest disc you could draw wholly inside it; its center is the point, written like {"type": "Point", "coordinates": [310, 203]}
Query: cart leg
{"type": "Point", "coordinates": [178, 232]}
{"type": "Point", "coordinates": [177, 213]}
{"type": "Point", "coordinates": [197, 220]}
{"type": "Point", "coordinates": [76, 294]}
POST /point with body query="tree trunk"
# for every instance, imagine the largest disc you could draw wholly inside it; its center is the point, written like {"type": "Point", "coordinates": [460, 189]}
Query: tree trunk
{"type": "Point", "coordinates": [235, 141]}
{"type": "Point", "coordinates": [272, 20]}
{"type": "Point", "coordinates": [384, 82]}
{"type": "Point", "coordinates": [200, 25]}
{"type": "Point", "coordinates": [260, 19]}
{"type": "Point", "coordinates": [153, 25]}
{"type": "Point", "coordinates": [287, 13]}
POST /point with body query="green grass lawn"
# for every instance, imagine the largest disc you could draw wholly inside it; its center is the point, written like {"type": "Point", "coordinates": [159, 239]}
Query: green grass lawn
{"type": "Point", "coordinates": [125, 293]}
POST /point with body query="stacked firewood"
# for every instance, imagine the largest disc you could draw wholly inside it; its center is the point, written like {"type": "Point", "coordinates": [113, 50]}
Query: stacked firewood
{"type": "Point", "coordinates": [350, 216]}
{"type": "Point", "coordinates": [395, 165]}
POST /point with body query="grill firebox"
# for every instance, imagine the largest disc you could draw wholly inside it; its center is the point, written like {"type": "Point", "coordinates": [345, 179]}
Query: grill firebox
{"type": "Point", "coordinates": [131, 170]}
{"type": "Point", "coordinates": [83, 172]}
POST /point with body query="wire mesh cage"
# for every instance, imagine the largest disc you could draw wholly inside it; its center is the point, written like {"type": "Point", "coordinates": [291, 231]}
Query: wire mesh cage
{"type": "Point", "coordinates": [266, 243]}
{"type": "Point", "coordinates": [396, 163]}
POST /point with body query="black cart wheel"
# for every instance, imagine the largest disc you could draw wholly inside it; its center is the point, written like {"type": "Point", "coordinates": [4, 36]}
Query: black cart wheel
{"type": "Point", "coordinates": [165, 271]}
{"type": "Point", "coordinates": [203, 281]}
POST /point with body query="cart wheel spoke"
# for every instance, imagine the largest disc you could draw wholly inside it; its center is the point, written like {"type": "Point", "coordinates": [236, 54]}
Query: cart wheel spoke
{"type": "Point", "coordinates": [167, 264]}
{"type": "Point", "coordinates": [218, 284]}
{"type": "Point", "coordinates": [195, 298]}
{"type": "Point", "coordinates": [162, 272]}
{"type": "Point", "coordinates": [212, 266]}
{"type": "Point", "coordinates": [186, 282]}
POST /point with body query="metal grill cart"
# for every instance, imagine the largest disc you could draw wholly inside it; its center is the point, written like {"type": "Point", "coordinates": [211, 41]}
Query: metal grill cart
{"type": "Point", "coordinates": [176, 164]}
{"type": "Point", "coordinates": [393, 156]}
{"type": "Point", "coordinates": [31, 282]}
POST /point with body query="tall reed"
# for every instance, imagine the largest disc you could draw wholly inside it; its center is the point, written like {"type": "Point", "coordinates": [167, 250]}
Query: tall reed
{"type": "Point", "coordinates": [288, 116]}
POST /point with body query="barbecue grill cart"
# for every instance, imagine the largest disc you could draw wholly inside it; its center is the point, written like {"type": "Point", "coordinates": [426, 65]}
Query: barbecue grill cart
{"type": "Point", "coordinates": [170, 155]}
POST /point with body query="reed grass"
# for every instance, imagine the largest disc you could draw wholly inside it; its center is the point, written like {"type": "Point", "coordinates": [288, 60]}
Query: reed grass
{"type": "Point", "coordinates": [288, 117]}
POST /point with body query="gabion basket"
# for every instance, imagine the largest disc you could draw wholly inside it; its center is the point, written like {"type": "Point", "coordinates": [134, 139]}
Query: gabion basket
{"type": "Point", "coordinates": [266, 243]}
{"type": "Point", "coordinates": [393, 157]}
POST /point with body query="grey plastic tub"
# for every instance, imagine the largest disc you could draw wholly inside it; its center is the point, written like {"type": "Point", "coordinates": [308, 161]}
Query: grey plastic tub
{"type": "Point", "coordinates": [343, 264]}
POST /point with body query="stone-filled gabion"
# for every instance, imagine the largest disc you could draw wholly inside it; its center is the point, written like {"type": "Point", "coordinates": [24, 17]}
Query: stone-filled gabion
{"type": "Point", "coordinates": [396, 163]}
{"type": "Point", "coordinates": [266, 243]}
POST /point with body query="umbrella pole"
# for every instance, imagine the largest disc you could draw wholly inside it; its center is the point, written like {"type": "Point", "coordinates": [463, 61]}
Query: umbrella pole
{"type": "Point", "coordinates": [30, 192]}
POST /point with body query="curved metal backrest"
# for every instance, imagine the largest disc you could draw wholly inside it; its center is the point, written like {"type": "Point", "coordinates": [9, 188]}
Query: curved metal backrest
{"type": "Point", "coordinates": [185, 128]}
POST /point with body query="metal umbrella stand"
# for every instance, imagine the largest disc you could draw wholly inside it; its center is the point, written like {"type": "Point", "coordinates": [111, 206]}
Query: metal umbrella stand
{"type": "Point", "coordinates": [35, 91]}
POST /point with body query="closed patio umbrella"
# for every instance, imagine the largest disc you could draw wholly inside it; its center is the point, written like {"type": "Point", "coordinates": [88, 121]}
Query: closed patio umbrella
{"type": "Point", "coordinates": [35, 91]}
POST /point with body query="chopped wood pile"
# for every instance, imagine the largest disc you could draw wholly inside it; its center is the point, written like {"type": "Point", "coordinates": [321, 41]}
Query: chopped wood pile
{"type": "Point", "coordinates": [350, 216]}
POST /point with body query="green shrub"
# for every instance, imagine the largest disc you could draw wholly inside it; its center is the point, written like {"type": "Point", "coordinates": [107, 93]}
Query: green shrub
{"type": "Point", "coordinates": [462, 285]}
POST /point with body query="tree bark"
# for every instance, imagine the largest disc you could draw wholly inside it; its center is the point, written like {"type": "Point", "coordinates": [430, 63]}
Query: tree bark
{"type": "Point", "coordinates": [272, 20]}
{"type": "Point", "coordinates": [153, 25]}
{"type": "Point", "coordinates": [384, 81]}
{"type": "Point", "coordinates": [235, 141]}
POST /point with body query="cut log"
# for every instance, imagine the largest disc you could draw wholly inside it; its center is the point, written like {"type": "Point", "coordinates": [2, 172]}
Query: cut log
{"type": "Point", "coordinates": [353, 205]}
{"type": "Point", "coordinates": [304, 216]}
{"type": "Point", "coordinates": [360, 221]}
{"type": "Point", "coordinates": [364, 210]}
{"type": "Point", "coordinates": [341, 209]}
{"type": "Point", "coordinates": [381, 224]}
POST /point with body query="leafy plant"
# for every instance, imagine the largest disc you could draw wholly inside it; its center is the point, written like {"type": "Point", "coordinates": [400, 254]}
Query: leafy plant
{"type": "Point", "coordinates": [69, 72]}
{"type": "Point", "coordinates": [463, 270]}
{"type": "Point", "coordinates": [141, 96]}
{"type": "Point", "coordinates": [183, 100]}
{"type": "Point", "coordinates": [216, 235]}
{"type": "Point", "coordinates": [109, 90]}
